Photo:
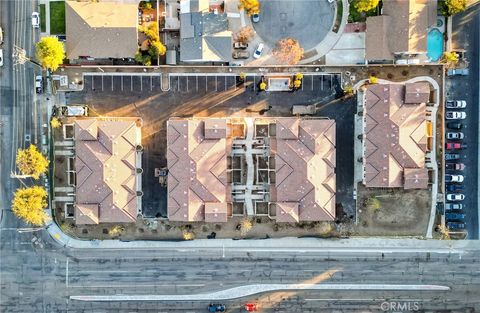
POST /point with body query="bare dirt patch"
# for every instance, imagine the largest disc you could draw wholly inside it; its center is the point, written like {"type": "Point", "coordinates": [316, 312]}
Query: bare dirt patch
{"type": "Point", "coordinates": [393, 212]}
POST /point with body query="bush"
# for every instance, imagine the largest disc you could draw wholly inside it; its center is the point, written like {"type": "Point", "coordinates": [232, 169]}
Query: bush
{"type": "Point", "coordinates": [188, 235]}
{"type": "Point", "coordinates": [245, 226]}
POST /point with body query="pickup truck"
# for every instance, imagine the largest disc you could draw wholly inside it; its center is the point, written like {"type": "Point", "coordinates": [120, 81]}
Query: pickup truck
{"type": "Point", "coordinates": [457, 71]}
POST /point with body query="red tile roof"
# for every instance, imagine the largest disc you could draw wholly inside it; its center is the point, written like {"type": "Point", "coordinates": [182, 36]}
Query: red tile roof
{"type": "Point", "coordinates": [105, 165]}
{"type": "Point", "coordinates": [395, 136]}
{"type": "Point", "coordinates": [305, 169]}
{"type": "Point", "coordinates": [197, 167]}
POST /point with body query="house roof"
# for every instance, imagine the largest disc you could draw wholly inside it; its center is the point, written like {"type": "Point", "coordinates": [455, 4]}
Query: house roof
{"type": "Point", "coordinates": [395, 136]}
{"type": "Point", "coordinates": [287, 212]}
{"type": "Point", "coordinates": [105, 165]}
{"type": "Point", "coordinates": [415, 178]}
{"type": "Point", "coordinates": [305, 169]}
{"type": "Point", "coordinates": [101, 29]}
{"type": "Point", "coordinates": [205, 37]}
{"type": "Point", "coordinates": [417, 92]}
{"type": "Point", "coordinates": [197, 169]}
{"type": "Point", "coordinates": [403, 27]}
{"type": "Point", "coordinates": [216, 212]}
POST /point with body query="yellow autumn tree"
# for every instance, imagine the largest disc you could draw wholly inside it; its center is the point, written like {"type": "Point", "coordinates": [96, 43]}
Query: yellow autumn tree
{"type": "Point", "coordinates": [29, 204]}
{"type": "Point", "coordinates": [50, 52]}
{"type": "Point", "coordinates": [55, 123]}
{"type": "Point", "coordinates": [365, 5]}
{"type": "Point", "coordinates": [31, 162]}
{"type": "Point", "coordinates": [289, 51]}
{"type": "Point", "coordinates": [250, 6]}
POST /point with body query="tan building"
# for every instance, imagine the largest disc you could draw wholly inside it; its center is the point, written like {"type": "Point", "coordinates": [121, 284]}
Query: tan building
{"type": "Point", "coordinates": [105, 29]}
{"type": "Point", "coordinates": [402, 28]}
{"type": "Point", "coordinates": [107, 159]}
{"type": "Point", "coordinates": [396, 135]}
{"type": "Point", "coordinates": [283, 168]}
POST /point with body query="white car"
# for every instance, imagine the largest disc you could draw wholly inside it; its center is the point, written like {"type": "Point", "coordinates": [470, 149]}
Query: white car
{"type": "Point", "coordinates": [455, 197]}
{"type": "Point", "coordinates": [456, 104]}
{"type": "Point", "coordinates": [455, 115]}
{"type": "Point", "coordinates": [258, 51]}
{"type": "Point", "coordinates": [1, 57]}
{"type": "Point", "coordinates": [36, 20]}
{"type": "Point", "coordinates": [455, 135]}
{"type": "Point", "coordinates": [454, 178]}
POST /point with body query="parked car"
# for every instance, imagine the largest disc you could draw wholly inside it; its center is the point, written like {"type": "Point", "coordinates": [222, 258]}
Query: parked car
{"type": "Point", "coordinates": [451, 156]}
{"type": "Point", "coordinates": [240, 54]}
{"type": "Point", "coordinates": [258, 51]}
{"type": "Point", "coordinates": [454, 125]}
{"type": "Point", "coordinates": [455, 166]}
{"type": "Point", "coordinates": [455, 146]}
{"type": "Point", "coordinates": [457, 71]}
{"type": "Point", "coordinates": [74, 110]}
{"type": "Point", "coordinates": [456, 104]}
{"type": "Point", "coordinates": [453, 178]}
{"type": "Point", "coordinates": [456, 225]}
{"type": "Point", "coordinates": [215, 307]}
{"type": "Point", "coordinates": [454, 188]}
{"type": "Point", "coordinates": [455, 216]}
{"type": "Point", "coordinates": [1, 57]}
{"type": "Point", "coordinates": [455, 115]}
{"type": "Point", "coordinates": [240, 45]}
{"type": "Point", "coordinates": [455, 135]}
{"type": "Point", "coordinates": [36, 20]}
{"type": "Point", "coordinates": [453, 206]}
{"type": "Point", "coordinates": [1, 35]}
{"type": "Point", "coordinates": [38, 84]}
{"type": "Point", "coordinates": [255, 18]}
{"type": "Point", "coordinates": [455, 197]}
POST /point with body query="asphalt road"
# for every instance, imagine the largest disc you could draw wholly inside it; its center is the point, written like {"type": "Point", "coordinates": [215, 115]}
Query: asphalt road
{"type": "Point", "coordinates": [466, 28]}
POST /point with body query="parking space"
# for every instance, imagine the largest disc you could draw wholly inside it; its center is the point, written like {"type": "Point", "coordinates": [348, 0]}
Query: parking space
{"type": "Point", "coordinates": [467, 156]}
{"type": "Point", "coordinates": [194, 83]}
{"type": "Point", "coordinates": [149, 97]}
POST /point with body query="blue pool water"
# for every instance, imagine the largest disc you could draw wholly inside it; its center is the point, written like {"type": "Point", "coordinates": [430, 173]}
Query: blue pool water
{"type": "Point", "coordinates": [434, 44]}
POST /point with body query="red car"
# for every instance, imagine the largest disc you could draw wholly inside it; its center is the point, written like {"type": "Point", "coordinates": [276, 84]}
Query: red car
{"type": "Point", "coordinates": [455, 146]}
{"type": "Point", "coordinates": [250, 307]}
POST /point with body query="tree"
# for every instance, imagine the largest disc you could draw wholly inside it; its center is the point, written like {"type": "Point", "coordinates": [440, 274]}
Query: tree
{"type": "Point", "coordinates": [29, 204]}
{"type": "Point", "coordinates": [250, 6]}
{"type": "Point", "coordinates": [55, 123]}
{"type": "Point", "coordinates": [444, 232]}
{"type": "Point", "coordinates": [262, 86]}
{"type": "Point", "coordinates": [151, 31]}
{"type": "Point", "coordinates": [365, 5]}
{"type": "Point", "coordinates": [288, 51]}
{"type": "Point", "coordinates": [297, 83]}
{"type": "Point", "coordinates": [454, 6]}
{"type": "Point", "coordinates": [188, 235]}
{"type": "Point", "coordinates": [450, 59]}
{"type": "Point", "coordinates": [245, 34]}
{"type": "Point", "coordinates": [373, 80]}
{"type": "Point", "coordinates": [50, 52]}
{"type": "Point", "coordinates": [245, 226]}
{"type": "Point", "coordinates": [156, 49]}
{"type": "Point", "coordinates": [31, 162]}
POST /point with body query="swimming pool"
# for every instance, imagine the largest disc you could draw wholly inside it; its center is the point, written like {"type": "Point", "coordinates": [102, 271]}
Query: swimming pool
{"type": "Point", "coordinates": [434, 44]}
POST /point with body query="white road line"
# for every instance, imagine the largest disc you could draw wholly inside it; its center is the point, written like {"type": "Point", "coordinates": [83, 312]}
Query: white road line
{"type": "Point", "coordinates": [178, 84]}
{"type": "Point", "coordinates": [206, 84]}
{"type": "Point", "coordinates": [216, 83]}
{"type": "Point", "coordinates": [93, 84]}
{"type": "Point", "coordinates": [141, 83]}
{"type": "Point", "coordinates": [187, 83]}
{"type": "Point", "coordinates": [136, 285]}
{"type": "Point", "coordinates": [373, 300]}
{"type": "Point", "coordinates": [102, 82]}
{"type": "Point", "coordinates": [66, 274]}
{"type": "Point", "coordinates": [121, 80]}
{"type": "Point", "coordinates": [151, 83]}
{"type": "Point", "coordinates": [254, 84]}
{"type": "Point", "coordinates": [312, 81]}
{"type": "Point", "coordinates": [225, 83]}
{"type": "Point", "coordinates": [321, 82]}
{"type": "Point", "coordinates": [196, 84]}
{"type": "Point", "coordinates": [131, 83]}
{"type": "Point", "coordinates": [111, 77]}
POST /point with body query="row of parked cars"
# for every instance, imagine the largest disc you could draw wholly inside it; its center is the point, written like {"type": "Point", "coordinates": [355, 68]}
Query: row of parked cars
{"type": "Point", "coordinates": [453, 179]}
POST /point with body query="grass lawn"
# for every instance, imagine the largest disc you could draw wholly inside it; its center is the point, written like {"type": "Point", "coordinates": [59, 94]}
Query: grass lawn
{"type": "Point", "coordinates": [57, 18]}
{"type": "Point", "coordinates": [43, 17]}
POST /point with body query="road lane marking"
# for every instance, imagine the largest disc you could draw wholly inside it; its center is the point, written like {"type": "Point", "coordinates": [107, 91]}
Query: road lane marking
{"type": "Point", "coordinates": [136, 285]}
{"type": "Point", "coordinates": [93, 83]}
{"type": "Point", "coordinates": [196, 84]}
{"type": "Point", "coordinates": [66, 274]}
{"type": "Point", "coordinates": [151, 83]}
{"type": "Point", "coordinates": [131, 83]}
{"type": "Point", "coordinates": [102, 83]}
{"type": "Point", "coordinates": [121, 81]}
{"type": "Point", "coordinates": [111, 77]}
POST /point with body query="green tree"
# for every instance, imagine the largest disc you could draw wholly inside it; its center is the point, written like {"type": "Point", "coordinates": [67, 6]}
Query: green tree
{"type": "Point", "coordinates": [31, 162]}
{"type": "Point", "coordinates": [452, 7]}
{"type": "Point", "coordinates": [29, 204]}
{"type": "Point", "coordinates": [365, 5]}
{"type": "Point", "coordinates": [156, 49]}
{"type": "Point", "coordinates": [50, 52]}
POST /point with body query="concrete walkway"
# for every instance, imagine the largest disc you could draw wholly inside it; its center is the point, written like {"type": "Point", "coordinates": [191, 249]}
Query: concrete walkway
{"type": "Point", "coordinates": [249, 290]}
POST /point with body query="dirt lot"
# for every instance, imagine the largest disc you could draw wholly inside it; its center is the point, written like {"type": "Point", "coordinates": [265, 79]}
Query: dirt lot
{"type": "Point", "coordinates": [388, 212]}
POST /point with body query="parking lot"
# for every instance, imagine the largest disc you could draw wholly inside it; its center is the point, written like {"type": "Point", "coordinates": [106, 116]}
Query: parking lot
{"type": "Point", "coordinates": [155, 99]}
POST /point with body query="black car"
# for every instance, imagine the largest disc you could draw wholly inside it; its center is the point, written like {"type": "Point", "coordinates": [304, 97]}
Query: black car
{"type": "Point", "coordinates": [454, 125]}
{"type": "Point", "coordinates": [454, 188]}
{"type": "Point", "coordinates": [216, 307]}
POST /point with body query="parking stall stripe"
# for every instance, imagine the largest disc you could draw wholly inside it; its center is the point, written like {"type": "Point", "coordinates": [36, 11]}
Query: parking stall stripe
{"type": "Point", "coordinates": [131, 83]}
{"type": "Point", "coordinates": [254, 83]}
{"type": "Point", "coordinates": [206, 84]}
{"type": "Point", "coordinates": [225, 82]}
{"type": "Point", "coordinates": [141, 83]}
{"type": "Point", "coordinates": [121, 80]}
{"type": "Point", "coordinates": [102, 83]}
{"type": "Point", "coordinates": [187, 83]}
{"type": "Point", "coordinates": [216, 83]}
{"type": "Point", "coordinates": [178, 84]}
{"type": "Point", "coordinates": [312, 81]}
{"type": "Point", "coordinates": [111, 77]}
{"type": "Point", "coordinates": [151, 83]}
{"type": "Point", "coordinates": [196, 81]}
{"type": "Point", "coordinates": [93, 84]}
{"type": "Point", "coordinates": [321, 82]}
